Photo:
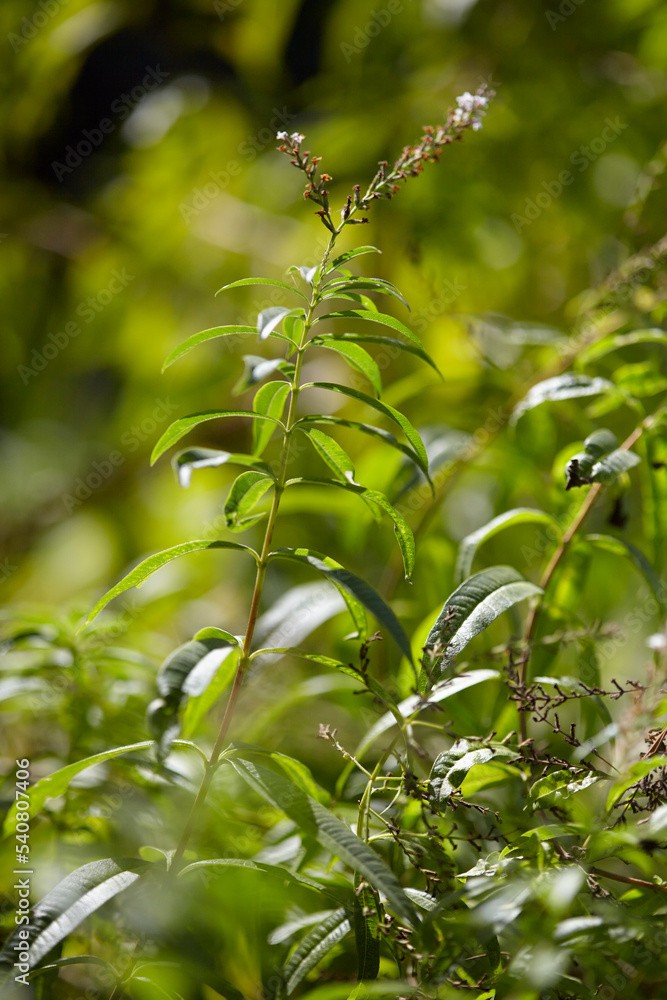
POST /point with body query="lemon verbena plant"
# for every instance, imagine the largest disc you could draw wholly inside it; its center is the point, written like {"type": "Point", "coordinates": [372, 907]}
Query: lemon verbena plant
{"type": "Point", "coordinates": [461, 850]}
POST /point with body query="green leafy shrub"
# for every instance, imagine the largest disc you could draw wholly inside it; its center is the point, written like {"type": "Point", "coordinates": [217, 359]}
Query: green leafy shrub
{"type": "Point", "coordinates": [474, 839]}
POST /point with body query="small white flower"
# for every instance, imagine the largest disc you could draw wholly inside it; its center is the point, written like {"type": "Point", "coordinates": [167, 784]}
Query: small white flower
{"type": "Point", "coordinates": [476, 124]}
{"type": "Point", "coordinates": [459, 115]}
{"type": "Point", "coordinates": [466, 101]}
{"type": "Point", "coordinates": [296, 138]}
{"type": "Point", "coordinates": [281, 135]}
{"type": "Point", "coordinates": [658, 641]}
{"type": "Point", "coordinates": [480, 102]}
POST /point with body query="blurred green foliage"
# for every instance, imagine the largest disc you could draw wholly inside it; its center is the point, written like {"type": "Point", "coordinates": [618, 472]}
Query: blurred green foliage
{"type": "Point", "coordinates": [110, 257]}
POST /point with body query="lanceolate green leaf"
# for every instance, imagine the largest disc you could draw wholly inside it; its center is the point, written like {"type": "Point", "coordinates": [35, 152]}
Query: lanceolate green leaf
{"type": "Point", "coordinates": [616, 341]}
{"type": "Point", "coordinates": [199, 704]}
{"type": "Point", "coordinates": [446, 774]}
{"type": "Point", "coordinates": [262, 281]}
{"type": "Point", "coordinates": [184, 425]}
{"type": "Point", "coordinates": [71, 901]}
{"type": "Point", "coordinates": [380, 341]}
{"type": "Point", "coordinates": [362, 285]}
{"type": "Point", "coordinates": [247, 490]}
{"type": "Point", "coordinates": [57, 783]}
{"type": "Point", "coordinates": [185, 461]}
{"type": "Point", "coordinates": [349, 255]}
{"type": "Point", "coordinates": [377, 432]}
{"type": "Point", "coordinates": [619, 547]}
{"type": "Point", "coordinates": [357, 357]}
{"type": "Point", "coordinates": [216, 331]}
{"type": "Point", "coordinates": [203, 336]}
{"type": "Point", "coordinates": [314, 947]}
{"type": "Point", "coordinates": [269, 403]}
{"type": "Point", "coordinates": [354, 585]}
{"type": "Point", "coordinates": [389, 411]}
{"type": "Point", "coordinates": [331, 452]}
{"type": "Point", "coordinates": [145, 569]}
{"type": "Point", "coordinates": [315, 820]}
{"type": "Point", "coordinates": [520, 515]}
{"type": "Point", "coordinates": [560, 387]}
{"type": "Point", "coordinates": [473, 606]}
{"type": "Point", "coordinates": [374, 317]}
{"type": "Point", "coordinates": [273, 871]}
{"type": "Point", "coordinates": [366, 931]}
{"type": "Point", "coordinates": [189, 669]}
{"type": "Point", "coordinates": [612, 466]}
{"type": "Point", "coordinates": [404, 534]}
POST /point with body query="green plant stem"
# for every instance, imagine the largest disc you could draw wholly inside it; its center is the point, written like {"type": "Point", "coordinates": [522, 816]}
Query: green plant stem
{"type": "Point", "coordinates": [549, 572]}
{"type": "Point", "coordinates": [244, 656]}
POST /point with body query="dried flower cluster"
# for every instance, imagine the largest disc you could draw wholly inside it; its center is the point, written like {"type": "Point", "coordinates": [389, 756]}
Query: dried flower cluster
{"type": "Point", "coordinates": [386, 182]}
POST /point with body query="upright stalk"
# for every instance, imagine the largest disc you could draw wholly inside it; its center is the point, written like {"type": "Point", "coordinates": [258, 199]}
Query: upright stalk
{"type": "Point", "coordinates": [554, 563]}
{"type": "Point", "coordinates": [279, 486]}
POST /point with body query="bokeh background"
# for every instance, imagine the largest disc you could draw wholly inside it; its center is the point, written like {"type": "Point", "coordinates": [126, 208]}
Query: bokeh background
{"type": "Point", "coordinates": [183, 191]}
{"type": "Point", "coordinates": [139, 174]}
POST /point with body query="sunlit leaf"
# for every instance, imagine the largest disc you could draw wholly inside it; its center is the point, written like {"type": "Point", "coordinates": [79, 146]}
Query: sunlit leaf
{"type": "Point", "coordinates": [380, 341]}
{"type": "Point", "coordinates": [243, 282]}
{"type": "Point", "coordinates": [269, 319]}
{"type": "Point", "coordinates": [357, 357]}
{"type": "Point", "coordinates": [272, 871]}
{"type": "Point", "coordinates": [561, 387]}
{"type": "Point", "coordinates": [78, 895]}
{"type": "Point", "coordinates": [269, 402]}
{"type": "Point", "coordinates": [343, 258]}
{"type": "Point", "coordinates": [184, 425]}
{"type": "Point", "coordinates": [205, 335]}
{"type": "Point", "coordinates": [555, 788]}
{"type": "Point", "coordinates": [247, 490]}
{"type": "Point", "coordinates": [368, 429]}
{"type": "Point", "coordinates": [519, 515]}
{"type": "Point", "coordinates": [331, 452]}
{"type": "Point", "coordinates": [148, 566]}
{"type": "Point", "coordinates": [188, 670]}
{"type": "Point", "coordinates": [447, 774]}
{"type": "Point", "coordinates": [361, 285]}
{"type": "Point", "coordinates": [473, 606]}
{"type": "Point", "coordinates": [314, 947]}
{"type": "Point", "coordinates": [384, 319]}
